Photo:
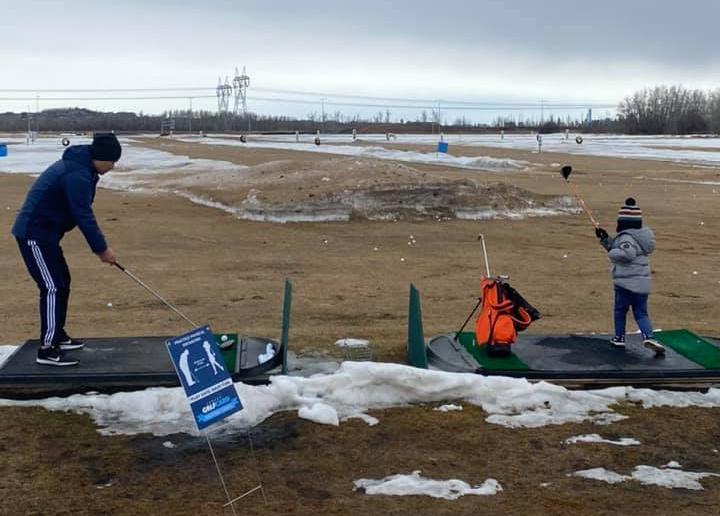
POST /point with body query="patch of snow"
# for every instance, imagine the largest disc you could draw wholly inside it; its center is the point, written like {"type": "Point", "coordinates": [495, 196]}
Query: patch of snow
{"type": "Point", "coordinates": [448, 408]}
{"type": "Point", "coordinates": [602, 474]}
{"type": "Point", "coordinates": [595, 438]}
{"type": "Point", "coordinates": [416, 485]}
{"type": "Point", "coordinates": [6, 352]}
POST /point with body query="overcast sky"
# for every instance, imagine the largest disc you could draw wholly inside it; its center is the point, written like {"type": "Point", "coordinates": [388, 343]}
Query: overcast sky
{"type": "Point", "coordinates": [556, 50]}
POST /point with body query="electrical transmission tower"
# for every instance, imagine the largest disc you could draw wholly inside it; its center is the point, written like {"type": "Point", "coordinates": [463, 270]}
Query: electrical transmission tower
{"type": "Point", "coordinates": [224, 91]}
{"type": "Point", "coordinates": [240, 85]}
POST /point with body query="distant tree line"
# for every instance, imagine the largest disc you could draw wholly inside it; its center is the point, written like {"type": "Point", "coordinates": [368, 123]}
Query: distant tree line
{"type": "Point", "coordinates": [660, 110]}
{"type": "Point", "coordinates": [671, 110]}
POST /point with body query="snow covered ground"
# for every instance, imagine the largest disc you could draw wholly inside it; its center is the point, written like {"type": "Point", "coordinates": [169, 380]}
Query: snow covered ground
{"type": "Point", "coordinates": [348, 392]}
{"type": "Point", "coordinates": [352, 389]}
{"type": "Point", "coordinates": [701, 151]}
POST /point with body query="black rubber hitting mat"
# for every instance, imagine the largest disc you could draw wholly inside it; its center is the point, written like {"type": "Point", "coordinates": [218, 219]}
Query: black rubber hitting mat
{"type": "Point", "coordinates": [578, 360]}
{"type": "Point", "coordinates": [117, 364]}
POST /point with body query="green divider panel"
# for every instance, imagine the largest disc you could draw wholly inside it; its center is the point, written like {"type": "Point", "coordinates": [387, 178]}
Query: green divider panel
{"type": "Point", "coordinates": [691, 346]}
{"type": "Point", "coordinates": [510, 363]}
{"type": "Point", "coordinates": [416, 354]}
{"type": "Point", "coordinates": [228, 348]}
{"type": "Point", "coordinates": [287, 301]}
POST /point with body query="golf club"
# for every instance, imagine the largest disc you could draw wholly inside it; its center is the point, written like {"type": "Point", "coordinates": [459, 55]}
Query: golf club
{"type": "Point", "coordinates": [566, 171]}
{"type": "Point", "coordinates": [481, 237]}
{"type": "Point", "coordinates": [139, 281]}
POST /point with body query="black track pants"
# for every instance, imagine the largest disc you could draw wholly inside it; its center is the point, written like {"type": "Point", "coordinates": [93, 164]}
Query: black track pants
{"type": "Point", "coordinates": [47, 266]}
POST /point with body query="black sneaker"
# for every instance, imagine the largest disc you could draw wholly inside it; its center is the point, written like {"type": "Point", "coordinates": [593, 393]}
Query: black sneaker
{"type": "Point", "coordinates": [54, 357]}
{"type": "Point", "coordinates": [618, 342]}
{"type": "Point", "coordinates": [68, 344]}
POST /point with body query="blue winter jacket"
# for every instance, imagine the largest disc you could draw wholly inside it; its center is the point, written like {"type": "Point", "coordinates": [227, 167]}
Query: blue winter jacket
{"type": "Point", "coordinates": [60, 199]}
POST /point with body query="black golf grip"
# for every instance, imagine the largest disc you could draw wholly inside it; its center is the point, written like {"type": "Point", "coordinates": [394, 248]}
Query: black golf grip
{"type": "Point", "coordinates": [116, 264]}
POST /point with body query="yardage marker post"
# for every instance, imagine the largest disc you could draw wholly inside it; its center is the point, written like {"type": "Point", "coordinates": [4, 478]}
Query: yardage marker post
{"type": "Point", "coordinates": [209, 388]}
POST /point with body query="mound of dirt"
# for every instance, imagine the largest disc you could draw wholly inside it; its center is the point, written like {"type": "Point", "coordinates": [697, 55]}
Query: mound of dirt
{"type": "Point", "coordinates": [348, 188]}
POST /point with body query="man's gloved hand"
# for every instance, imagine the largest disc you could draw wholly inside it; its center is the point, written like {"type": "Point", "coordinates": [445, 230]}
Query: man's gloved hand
{"type": "Point", "coordinates": [601, 233]}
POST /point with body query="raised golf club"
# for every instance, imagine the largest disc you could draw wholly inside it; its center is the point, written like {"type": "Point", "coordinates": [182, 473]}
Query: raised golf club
{"type": "Point", "coordinates": [566, 171]}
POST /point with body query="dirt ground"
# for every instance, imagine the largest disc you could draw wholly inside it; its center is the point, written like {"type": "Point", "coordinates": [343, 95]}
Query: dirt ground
{"type": "Point", "coordinates": [230, 272]}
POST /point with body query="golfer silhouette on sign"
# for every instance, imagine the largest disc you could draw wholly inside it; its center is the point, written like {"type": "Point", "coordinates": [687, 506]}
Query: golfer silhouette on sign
{"type": "Point", "coordinates": [185, 368]}
{"type": "Point", "coordinates": [211, 356]}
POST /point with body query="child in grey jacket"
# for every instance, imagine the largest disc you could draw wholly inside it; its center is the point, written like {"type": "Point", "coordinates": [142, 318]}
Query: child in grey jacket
{"type": "Point", "coordinates": [630, 269]}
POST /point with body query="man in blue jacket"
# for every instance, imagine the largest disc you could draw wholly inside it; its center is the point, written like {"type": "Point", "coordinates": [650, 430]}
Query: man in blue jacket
{"type": "Point", "coordinates": [60, 199]}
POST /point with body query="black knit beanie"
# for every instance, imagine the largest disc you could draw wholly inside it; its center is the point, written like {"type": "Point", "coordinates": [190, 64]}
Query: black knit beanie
{"type": "Point", "coordinates": [629, 216]}
{"type": "Point", "coordinates": [105, 147]}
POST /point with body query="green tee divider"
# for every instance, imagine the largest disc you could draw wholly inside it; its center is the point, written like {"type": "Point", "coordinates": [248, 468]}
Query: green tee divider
{"type": "Point", "coordinates": [228, 348]}
{"type": "Point", "coordinates": [416, 354]}
{"type": "Point", "coordinates": [287, 302]}
{"type": "Point", "coordinates": [510, 363]}
{"type": "Point", "coordinates": [691, 346]}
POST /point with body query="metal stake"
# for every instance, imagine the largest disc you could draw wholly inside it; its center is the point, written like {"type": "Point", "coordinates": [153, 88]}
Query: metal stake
{"type": "Point", "coordinates": [222, 480]}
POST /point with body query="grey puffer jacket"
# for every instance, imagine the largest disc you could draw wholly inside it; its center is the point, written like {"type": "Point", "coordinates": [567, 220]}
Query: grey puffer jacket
{"type": "Point", "coordinates": [629, 262]}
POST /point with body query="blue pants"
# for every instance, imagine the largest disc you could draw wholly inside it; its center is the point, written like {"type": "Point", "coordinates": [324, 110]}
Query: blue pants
{"type": "Point", "coordinates": [624, 299]}
{"type": "Point", "coordinates": [47, 266]}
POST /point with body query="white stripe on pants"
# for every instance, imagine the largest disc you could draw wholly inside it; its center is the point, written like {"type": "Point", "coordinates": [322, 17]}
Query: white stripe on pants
{"type": "Point", "coordinates": [51, 290]}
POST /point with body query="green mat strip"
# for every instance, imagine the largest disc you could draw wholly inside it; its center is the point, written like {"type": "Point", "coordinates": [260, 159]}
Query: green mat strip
{"type": "Point", "coordinates": [691, 346]}
{"type": "Point", "coordinates": [511, 363]}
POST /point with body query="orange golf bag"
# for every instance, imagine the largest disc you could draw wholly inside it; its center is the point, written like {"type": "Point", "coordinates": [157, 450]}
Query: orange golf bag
{"type": "Point", "coordinates": [504, 312]}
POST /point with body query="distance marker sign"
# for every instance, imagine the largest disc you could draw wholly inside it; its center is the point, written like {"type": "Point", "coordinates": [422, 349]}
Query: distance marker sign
{"type": "Point", "coordinates": [203, 374]}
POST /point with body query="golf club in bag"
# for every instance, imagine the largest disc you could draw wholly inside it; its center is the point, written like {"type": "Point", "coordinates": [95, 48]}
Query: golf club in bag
{"type": "Point", "coordinates": [143, 285]}
{"type": "Point", "coordinates": [480, 237]}
{"type": "Point", "coordinates": [566, 171]}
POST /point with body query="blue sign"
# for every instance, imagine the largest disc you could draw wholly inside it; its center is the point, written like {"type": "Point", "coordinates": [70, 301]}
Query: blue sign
{"type": "Point", "coordinates": [3, 150]}
{"type": "Point", "coordinates": [442, 147]}
{"type": "Point", "coordinates": [200, 366]}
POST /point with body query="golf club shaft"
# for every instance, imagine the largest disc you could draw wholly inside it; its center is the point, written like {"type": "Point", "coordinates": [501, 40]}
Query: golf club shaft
{"type": "Point", "coordinates": [582, 204]}
{"type": "Point", "coordinates": [457, 333]}
{"type": "Point", "coordinates": [487, 265]}
{"type": "Point", "coordinates": [140, 282]}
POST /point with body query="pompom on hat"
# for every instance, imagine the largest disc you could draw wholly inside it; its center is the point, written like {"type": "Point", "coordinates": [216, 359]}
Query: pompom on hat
{"type": "Point", "coordinates": [105, 147]}
{"type": "Point", "coordinates": [629, 215]}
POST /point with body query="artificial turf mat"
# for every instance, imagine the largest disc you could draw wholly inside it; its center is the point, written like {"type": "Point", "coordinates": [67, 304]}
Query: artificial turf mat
{"type": "Point", "coordinates": [691, 346]}
{"type": "Point", "coordinates": [509, 363]}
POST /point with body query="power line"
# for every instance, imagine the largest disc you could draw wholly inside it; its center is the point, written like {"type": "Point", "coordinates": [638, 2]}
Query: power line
{"type": "Point", "coordinates": [105, 90]}
{"type": "Point", "coordinates": [424, 103]}
{"type": "Point", "coordinates": [486, 106]}
{"type": "Point", "coordinates": [159, 97]}
{"type": "Point", "coordinates": [497, 107]}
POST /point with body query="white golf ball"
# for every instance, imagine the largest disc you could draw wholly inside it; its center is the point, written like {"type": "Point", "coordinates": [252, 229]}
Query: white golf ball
{"type": "Point", "coordinates": [695, 273]}
{"type": "Point", "coordinates": [223, 338]}
{"type": "Point", "coordinates": [109, 305]}
{"type": "Point", "coordinates": [375, 249]}
{"type": "Point", "coordinates": [402, 259]}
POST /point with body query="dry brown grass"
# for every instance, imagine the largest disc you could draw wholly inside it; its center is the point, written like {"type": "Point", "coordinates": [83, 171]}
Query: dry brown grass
{"type": "Point", "coordinates": [229, 273]}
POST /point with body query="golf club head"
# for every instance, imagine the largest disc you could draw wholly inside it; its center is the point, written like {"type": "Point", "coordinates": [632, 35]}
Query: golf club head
{"type": "Point", "coordinates": [566, 171]}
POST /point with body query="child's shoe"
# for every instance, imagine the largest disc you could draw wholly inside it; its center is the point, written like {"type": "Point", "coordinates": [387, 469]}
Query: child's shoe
{"type": "Point", "coordinates": [654, 345]}
{"type": "Point", "coordinates": [618, 341]}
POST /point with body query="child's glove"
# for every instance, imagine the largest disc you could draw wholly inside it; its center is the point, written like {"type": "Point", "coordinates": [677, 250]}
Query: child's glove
{"type": "Point", "coordinates": [601, 233]}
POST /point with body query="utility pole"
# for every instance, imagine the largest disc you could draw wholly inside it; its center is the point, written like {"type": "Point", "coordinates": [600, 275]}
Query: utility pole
{"type": "Point", "coordinates": [322, 114]}
{"type": "Point", "coordinates": [439, 118]}
{"type": "Point", "coordinates": [190, 117]}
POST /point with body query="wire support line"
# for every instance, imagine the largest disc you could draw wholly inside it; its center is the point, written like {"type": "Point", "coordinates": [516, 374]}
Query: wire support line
{"type": "Point", "coordinates": [381, 99]}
